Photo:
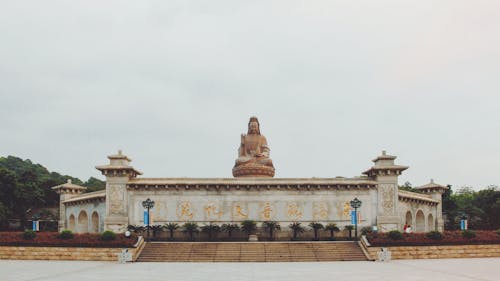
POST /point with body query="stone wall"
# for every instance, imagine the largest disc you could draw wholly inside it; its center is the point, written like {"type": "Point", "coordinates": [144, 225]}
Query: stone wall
{"type": "Point", "coordinates": [66, 253]}
{"type": "Point", "coordinates": [284, 206]}
{"type": "Point", "coordinates": [437, 252]}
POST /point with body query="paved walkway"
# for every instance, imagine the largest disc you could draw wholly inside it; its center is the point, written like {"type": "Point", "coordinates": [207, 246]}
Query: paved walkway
{"type": "Point", "coordinates": [408, 270]}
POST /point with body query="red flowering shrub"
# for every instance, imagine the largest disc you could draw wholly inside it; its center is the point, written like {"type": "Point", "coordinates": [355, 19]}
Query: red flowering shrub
{"type": "Point", "coordinates": [420, 239]}
{"type": "Point", "coordinates": [44, 239]}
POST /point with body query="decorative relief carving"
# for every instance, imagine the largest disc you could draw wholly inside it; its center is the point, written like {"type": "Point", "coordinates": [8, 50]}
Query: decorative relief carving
{"type": "Point", "coordinates": [346, 211]}
{"type": "Point", "coordinates": [320, 211]}
{"type": "Point", "coordinates": [387, 199]}
{"type": "Point", "coordinates": [267, 211]}
{"type": "Point", "coordinates": [240, 211]}
{"type": "Point", "coordinates": [213, 211]}
{"type": "Point", "coordinates": [185, 210]}
{"type": "Point", "coordinates": [294, 211]}
{"type": "Point", "coordinates": [115, 200]}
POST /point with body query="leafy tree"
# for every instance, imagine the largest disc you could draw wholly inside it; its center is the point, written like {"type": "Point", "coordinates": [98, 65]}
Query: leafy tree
{"type": "Point", "coordinates": [296, 228]}
{"type": "Point", "coordinates": [332, 228]}
{"type": "Point", "coordinates": [230, 228]}
{"type": "Point", "coordinates": [171, 227]}
{"type": "Point", "coordinates": [408, 187]}
{"type": "Point", "coordinates": [210, 229]}
{"type": "Point", "coordinates": [94, 184]}
{"type": "Point", "coordinates": [190, 228]}
{"type": "Point", "coordinates": [349, 228]}
{"type": "Point", "coordinates": [316, 226]}
{"type": "Point", "coordinates": [271, 226]}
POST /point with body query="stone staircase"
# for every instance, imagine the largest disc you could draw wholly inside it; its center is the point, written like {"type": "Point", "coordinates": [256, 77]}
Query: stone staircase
{"type": "Point", "coordinates": [251, 252]}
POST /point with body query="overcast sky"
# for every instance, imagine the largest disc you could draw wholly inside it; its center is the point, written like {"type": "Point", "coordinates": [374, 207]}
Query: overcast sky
{"type": "Point", "coordinates": [173, 83]}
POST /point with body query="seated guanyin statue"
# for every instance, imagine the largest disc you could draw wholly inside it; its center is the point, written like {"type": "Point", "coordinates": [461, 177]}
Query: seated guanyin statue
{"type": "Point", "coordinates": [253, 154]}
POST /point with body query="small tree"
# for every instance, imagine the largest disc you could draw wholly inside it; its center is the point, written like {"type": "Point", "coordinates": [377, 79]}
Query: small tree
{"type": "Point", "coordinates": [248, 226]}
{"type": "Point", "coordinates": [316, 226]}
{"type": "Point", "coordinates": [171, 227]}
{"type": "Point", "coordinates": [230, 228]}
{"type": "Point", "coordinates": [156, 228]}
{"type": "Point", "coordinates": [271, 226]}
{"type": "Point", "coordinates": [190, 228]}
{"type": "Point", "coordinates": [210, 229]}
{"type": "Point", "coordinates": [135, 228]}
{"type": "Point", "coordinates": [332, 227]}
{"type": "Point", "coordinates": [349, 228]}
{"type": "Point", "coordinates": [296, 229]}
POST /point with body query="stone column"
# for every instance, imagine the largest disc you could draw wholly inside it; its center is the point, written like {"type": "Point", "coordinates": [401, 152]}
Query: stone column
{"type": "Point", "coordinates": [386, 173]}
{"type": "Point", "coordinates": [66, 191]}
{"type": "Point", "coordinates": [118, 172]}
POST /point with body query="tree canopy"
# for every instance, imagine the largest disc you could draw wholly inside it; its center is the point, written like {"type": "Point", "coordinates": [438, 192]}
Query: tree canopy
{"type": "Point", "coordinates": [25, 186]}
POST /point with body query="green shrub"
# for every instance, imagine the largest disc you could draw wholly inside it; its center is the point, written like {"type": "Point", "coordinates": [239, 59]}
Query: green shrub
{"type": "Point", "coordinates": [248, 226]}
{"type": "Point", "coordinates": [469, 234]}
{"type": "Point", "coordinates": [66, 234]}
{"type": "Point", "coordinates": [108, 235]}
{"type": "Point", "coordinates": [366, 230]}
{"type": "Point", "coordinates": [29, 234]}
{"type": "Point", "coordinates": [434, 235]}
{"type": "Point", "coordinates": [395, 235]}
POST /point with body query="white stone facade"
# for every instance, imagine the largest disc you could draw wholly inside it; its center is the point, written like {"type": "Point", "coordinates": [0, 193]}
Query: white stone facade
{"type": "Point", "coordinates": [260, 199]}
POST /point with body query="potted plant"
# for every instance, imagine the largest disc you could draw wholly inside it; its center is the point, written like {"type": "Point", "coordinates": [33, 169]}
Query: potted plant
{"type": "Point", "coordinates": [249, 227]}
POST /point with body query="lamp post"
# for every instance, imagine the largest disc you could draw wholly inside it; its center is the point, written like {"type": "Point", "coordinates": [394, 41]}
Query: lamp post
{"type": "Point", "coordinates": [355, 203]}
{"type": "Point", "coordinates": [148, 204]}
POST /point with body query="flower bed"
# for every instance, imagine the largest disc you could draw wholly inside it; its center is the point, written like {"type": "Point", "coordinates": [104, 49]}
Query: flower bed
{"type": "Point", "coordinates": [51, 239]}
{"type": "Point", "coordinates": [420, 239]}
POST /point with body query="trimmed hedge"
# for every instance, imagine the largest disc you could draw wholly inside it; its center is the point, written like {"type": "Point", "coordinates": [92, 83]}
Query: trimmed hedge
{"type": "Point", "coordinates": [29, 234]}
{"type": "Point", "coordinates": [52, 239]}
{"type": "Point", "coordinates": [422, 239]}
{"type": "Point", "coordinates": [108, 235]}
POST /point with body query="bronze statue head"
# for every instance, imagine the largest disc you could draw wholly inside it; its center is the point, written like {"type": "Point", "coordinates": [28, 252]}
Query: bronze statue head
{"type": "Point", "coordinates": [253, 126]}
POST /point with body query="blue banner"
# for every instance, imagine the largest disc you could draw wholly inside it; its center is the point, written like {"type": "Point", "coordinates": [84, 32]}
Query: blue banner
{"type": "Point", "coordinates": [463, 224]}
{"type": "Point", "coordinates": [354, 219]}
{"type": "Point", "coordinates": [35, 226]}
{"type": "Point", "coordinates": [146, 218]}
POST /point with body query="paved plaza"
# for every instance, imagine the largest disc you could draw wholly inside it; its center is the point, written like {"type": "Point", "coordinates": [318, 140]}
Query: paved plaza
{"type": "Point", "coordinates": [435, 270]}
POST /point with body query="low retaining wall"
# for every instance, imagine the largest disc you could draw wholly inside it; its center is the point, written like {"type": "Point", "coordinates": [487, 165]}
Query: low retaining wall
{"type": "Point", "coordinates": [67, 253]}
{"type": "Point", "coordinates": [435, 252]}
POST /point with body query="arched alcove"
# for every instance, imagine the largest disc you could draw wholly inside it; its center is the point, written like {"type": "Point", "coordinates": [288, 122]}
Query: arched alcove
{"type": "Point", "coordinates": [71, 223]}
{"type": "Point", "coordinates": [409, 219]}
{"type": "Point", "coordinates": [95, 222]}
{"type": "Point", "coordinates": [83, 222]}
{"type": "Point", "coordinates": [420, 221]}
{"type": "Point", "coordinates": [430, 223]}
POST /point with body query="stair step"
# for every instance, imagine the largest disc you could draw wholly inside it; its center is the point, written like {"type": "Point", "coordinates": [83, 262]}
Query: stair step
{"type": "Point", "coordinates": [251, 252]}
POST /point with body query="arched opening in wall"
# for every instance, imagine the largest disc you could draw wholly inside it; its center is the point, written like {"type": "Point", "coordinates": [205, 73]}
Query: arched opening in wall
{"type": "Point", "coordinates": [430, 223]}
{"type": "Point", "coordinates": [71, 223]}
{"type": "Point", "coordinates": [95, 222]}
{"type": "Point", "coordinates": [420, 221]}
{"type": "Point", "coordinates": [83, 222]}
{"type": "Point", "coordinates": [409, 219]}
